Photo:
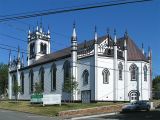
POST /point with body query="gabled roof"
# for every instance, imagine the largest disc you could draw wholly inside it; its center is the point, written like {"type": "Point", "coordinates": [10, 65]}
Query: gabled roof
{"type": "Point", "coordinates": [134, 53]}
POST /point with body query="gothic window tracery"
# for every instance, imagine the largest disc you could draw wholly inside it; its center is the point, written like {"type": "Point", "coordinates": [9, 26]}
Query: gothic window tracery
{"type": "Point", "coordinates": [145, 72]}
{"type": "Point", "coordinates": [31, 84]}
{"type": "Point", "coordinates": [85, 77]}
{"type": "Point", "coordinates": [41, 78]}
{"type": "Point", "coordinates": [120, 68]}
{"type": "Point", "coordinates": [67, 70]}
{"type": "Point", "coordinates": [105, 74]}
{"type": "Point", "coordinates": [22, 83]}
{"type": "Point", "coordinates": [134, 72]}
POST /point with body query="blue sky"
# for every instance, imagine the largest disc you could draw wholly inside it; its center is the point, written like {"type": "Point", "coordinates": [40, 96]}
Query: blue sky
{"type": "Point", "coordinates": [142, 20]}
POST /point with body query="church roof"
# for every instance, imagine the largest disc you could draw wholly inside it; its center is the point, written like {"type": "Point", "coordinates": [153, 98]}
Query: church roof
{"type": "Point", "coordinates": [134, 53]}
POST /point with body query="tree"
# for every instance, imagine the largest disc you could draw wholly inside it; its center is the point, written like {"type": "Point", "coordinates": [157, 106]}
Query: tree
{"type": "Point", "coordinates": [70, 86]}
{"type": "Point", "coordinates": [16, 89]}
{"type": "Point", "coordinates": [156, 87]}
{"type": "Point", "coordinates": [3, 78]}
{"type": "Point", "coordinates": [38, 88]}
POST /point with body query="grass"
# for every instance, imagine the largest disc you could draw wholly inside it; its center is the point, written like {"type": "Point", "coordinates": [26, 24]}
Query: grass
{"type": "Point", "coordinates": [25, 106]}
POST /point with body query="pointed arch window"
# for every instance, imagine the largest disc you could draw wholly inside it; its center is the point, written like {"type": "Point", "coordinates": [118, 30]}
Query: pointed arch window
{"type": "Point", "coordinates": [134, 72]}
{"type": "Point", "coordinates": [120, 68]}
{"type": "Point", "coordinates": [67, 70]}
{"type": "Point", "coordinates": [41, 48]}
{"type": "Point", "coordinates": [105, 74]}
{"type": "Point", "coordinates": [145, 72]}
{"type": "Point", "coordinates": [14, 82]}
{"type": "Point", "coordinates": [53, 77]}
{"type": "Point", "coordinates": [44, 48]}
{"type": "Point", "coordinates": [85, 77]}
{"type": "Point", "coordinates": [32, 50]}
{"type": "Point", "coordinates": [41, 77]}
{"type": "Point", "coordinates": [22, 82]}
{"type": "Point", "coordinates": [31, 83]}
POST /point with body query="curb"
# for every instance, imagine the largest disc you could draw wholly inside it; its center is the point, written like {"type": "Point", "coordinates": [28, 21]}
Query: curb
{"type": "Point", "coordinates": [99, 115]}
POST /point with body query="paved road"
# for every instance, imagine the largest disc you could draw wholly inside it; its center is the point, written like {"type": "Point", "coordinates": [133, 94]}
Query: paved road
{"type": "Point", "coordinates": [12, 115]}
{"type": "Point", "coordinates": [142, 115]}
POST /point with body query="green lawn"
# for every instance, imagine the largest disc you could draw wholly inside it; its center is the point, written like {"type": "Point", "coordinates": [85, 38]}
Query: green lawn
{"type": "Point", "coordinates": [53, 110]}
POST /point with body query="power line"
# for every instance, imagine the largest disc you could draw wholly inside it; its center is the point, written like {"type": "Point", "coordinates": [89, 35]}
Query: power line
{"type": "Point", "coordinates": [25, 13]}
{"type": "Point", "coordinates": [68, 10]}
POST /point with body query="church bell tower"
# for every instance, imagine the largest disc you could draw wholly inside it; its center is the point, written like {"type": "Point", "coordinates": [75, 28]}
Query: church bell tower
{"type": "Point", "coordinates": [38, 44]}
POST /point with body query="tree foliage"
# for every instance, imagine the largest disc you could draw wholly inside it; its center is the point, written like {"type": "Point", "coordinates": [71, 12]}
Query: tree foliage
{"type": "Point", "coordinates": [156, 83]}
{"type": "Point", "coordinates": [38, 88]}
{"type": "Point", "coordinates": [16, 89]}
{"type": "Point", "coordinates": [156, 87]}
{"type": "Point", "coordinates": [70, 85]}
{"type": "Point", "coordinates": [3, 78]}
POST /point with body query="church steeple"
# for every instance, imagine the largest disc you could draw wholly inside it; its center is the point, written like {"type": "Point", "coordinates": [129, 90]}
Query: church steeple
{"type": "Point", "coordinates": [38, 43]}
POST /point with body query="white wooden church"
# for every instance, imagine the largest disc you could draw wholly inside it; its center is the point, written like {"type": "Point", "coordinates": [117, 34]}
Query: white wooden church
{"type": "Point", "coordinates": [106, 68]}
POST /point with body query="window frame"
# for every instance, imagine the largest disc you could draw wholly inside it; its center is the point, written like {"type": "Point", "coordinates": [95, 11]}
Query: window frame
{"type": "Point", "coordinates": [41, 77]}
{"type": "Point", "coordinates": [85, 76]}
{"type": "Point", "coordinates": [120, 69]}
{"type": "Point", "coordinates": [53, 77]}
{"type": "Point", "coordinates": [133, 72]}
{"type": "Point", "coordinates": [145, 72]}
{"type": "Point", "coordinates": [22, 83]}
{"type": "Point", "coordinates": [105, 74]}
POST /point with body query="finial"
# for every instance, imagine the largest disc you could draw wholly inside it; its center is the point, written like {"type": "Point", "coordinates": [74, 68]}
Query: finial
{"type": "Point", "coordinates": [108, 31]}
{"type": "Point", "coordinates": [22, 62]}
{"type": "Point", "coordinates": [142, 48]}
{"type": "Point", "coordinates": [37, 26]}
{"type": "Point", "coordinates": [10, 60]}
{"type": "Point", "coordinates": [29, 31]}
{"type": "Point", "coordinates": [74, 24]}
{"type": "Point", "coordinates": [41, 25]}
{"type": "Point", "coordinates": [95, 34]}
{"type": "Point", "coordinates": [18, 57]}
{"type": "Point", "coordinates": [115, 39]}
{"type": "Point", "coordinates": [74, 35]}
{"type": "Point", "coordinates": [149, 52]}
{"type": "Point", "coordinates": [126, 33]}
{"type": "Point", "coordinates": [114, 31]}
{"type": "Point", "coordinates": [48, 30]}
